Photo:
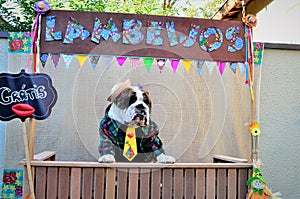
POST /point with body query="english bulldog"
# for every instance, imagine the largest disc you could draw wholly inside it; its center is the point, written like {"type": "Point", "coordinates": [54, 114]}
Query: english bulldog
{"type": "Point", "coordinates": [130, 107]}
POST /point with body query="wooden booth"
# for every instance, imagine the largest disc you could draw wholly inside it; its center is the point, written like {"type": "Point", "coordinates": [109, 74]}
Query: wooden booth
{"type": "Point", "coordinates": [202, 105]}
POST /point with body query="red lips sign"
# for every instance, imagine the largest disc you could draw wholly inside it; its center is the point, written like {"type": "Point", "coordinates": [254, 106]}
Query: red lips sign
{"type": "Point", "coordinates": [24, 93]}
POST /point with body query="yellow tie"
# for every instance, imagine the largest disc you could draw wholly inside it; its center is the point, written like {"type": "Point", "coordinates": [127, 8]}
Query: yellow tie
{"type": "Point", "coordinates": [130, 149]}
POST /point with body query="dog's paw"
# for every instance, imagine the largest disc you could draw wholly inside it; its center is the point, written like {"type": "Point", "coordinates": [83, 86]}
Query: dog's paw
{"type": "Point", "coordinates": [107, 159]}
{"type": "Point", "coordinates": [162, 158]}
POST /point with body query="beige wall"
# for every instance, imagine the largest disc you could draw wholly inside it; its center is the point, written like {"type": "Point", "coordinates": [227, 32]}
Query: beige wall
{"type": "Point", "coordinates": [280, 121]}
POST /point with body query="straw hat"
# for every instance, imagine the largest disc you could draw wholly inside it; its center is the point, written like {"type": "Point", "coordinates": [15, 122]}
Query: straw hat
{"type": "Point", "coordinates": [117, 89]}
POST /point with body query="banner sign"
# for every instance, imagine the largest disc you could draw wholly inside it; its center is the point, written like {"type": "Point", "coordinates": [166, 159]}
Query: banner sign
{"type": "Point", "coordinates": [33, 89]}
{"type": "Point", "coordinates": [78, 32]}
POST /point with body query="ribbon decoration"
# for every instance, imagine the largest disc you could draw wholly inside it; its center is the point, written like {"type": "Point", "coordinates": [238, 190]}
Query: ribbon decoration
{"type": "Point", "coordinates": [40, 7]}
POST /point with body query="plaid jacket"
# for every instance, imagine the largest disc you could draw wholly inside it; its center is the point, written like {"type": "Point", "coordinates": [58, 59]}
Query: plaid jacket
{"type": "Point", "coordinates": [112, 136]}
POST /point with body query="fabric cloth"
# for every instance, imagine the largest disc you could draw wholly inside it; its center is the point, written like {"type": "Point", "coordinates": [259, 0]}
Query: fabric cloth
{"type": "Point", "coordinates": [112, 138]}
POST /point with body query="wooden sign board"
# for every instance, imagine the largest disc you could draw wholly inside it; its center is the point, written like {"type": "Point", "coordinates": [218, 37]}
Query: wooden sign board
{"type": "Point", "coordinates": [33, 89]}
{"type": "Point", "coordinates": [76, 32]}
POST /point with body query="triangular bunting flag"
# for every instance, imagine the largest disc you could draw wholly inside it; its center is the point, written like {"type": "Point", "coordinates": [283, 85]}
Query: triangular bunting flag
{"type": "Point", "coordinates": [44, 58]}
{"type": "Point", "coordinates": [108, 60]}
{"type": "Point", "coordinates": [258, 49]}
{"type": "Point", "coordinates": [55, 59]}
{"type": "Point", "coordinates": [134, 62]}
{"type": "Point", "coordinates": [242, 68]}
{"type": "Point", "coordinates": [233, 67]}
{"type": "Point", "coordinates": [81, 59]}
{"type": "Point", "coordinates": [174, 64]}
{"type": "Point", "coordinates": [121, 60]}
{"type": "Point", "coordinates": [161, 64]}
{"type": "Point", "coordinates": [94, 59]}
{"type": "Point", "coordinates": [210, 66]}
{"type": "Point", "coordinates": [187, 64]}
{"type": "Point", "coordinates": [221, 66]}
{"type": "Point", "coordinates": [199, 64]}
{"type": "Point", "coordinates": [148, 63]}
{"type": "Point", "coordinates": [67, 60]}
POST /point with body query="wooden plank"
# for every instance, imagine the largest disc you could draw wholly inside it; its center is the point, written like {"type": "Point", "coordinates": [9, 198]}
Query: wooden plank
{"type": "Point", "coordinates": [63, 183]}
{"type": "Point", "coordinates": [144, 183]}
{"type": "Point", "coordinates": [221, 184]}
{"type": "Point", "coordinates": [122, 183]}
{"type": "Point", "coordinates": [52, 179]}
{"type": "Point", "coordinates": [178, 183]}
{"type": "Point", "coordinates": [189, 189]}
{"type": "Point", "coordinates": [75, 183]}
{"type": "Point", "coordinates": [211, 183]}
{"type": "Point", "coordinates": [242, 180]}
{"type": "Point", "coordinates": [200, 183]}
{"type": "Point", "coordinates": [99, 183]}
{"type": "Point", "coordinates": [155, 183]}
{"type": "Point", "coordinates": [87, 182]}
{"type": "Point", "coordinates": [110, 183]}
{"type": "Point", "coordinates": [167, 183]}
{"type": "Point", "coordinates": [40, 186]}
{"type": "Point", "coordinates": [133, 186]}
{"type": "Point", "coordinates": [231, 183]}
{"type": "Point", "coordinates": [139, 165]}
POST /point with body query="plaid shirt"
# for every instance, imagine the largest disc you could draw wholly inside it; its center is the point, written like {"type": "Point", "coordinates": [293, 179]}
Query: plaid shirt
{"type": "Point", "coordinates": [112, 137]}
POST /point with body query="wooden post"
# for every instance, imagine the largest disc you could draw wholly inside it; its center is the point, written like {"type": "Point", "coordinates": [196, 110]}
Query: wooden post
{"type": "Point", "coordinates": [31, 138]}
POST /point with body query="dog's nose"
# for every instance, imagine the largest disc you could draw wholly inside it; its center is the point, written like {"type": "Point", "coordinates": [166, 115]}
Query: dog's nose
{"type": "Point", "coordinates": [140, 107]}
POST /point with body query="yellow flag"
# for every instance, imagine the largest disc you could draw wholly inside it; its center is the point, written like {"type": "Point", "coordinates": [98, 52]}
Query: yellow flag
{"type": "Point", "coordinates": [81, 59]}
{"type": "Point", "coordinates": [187, 64]}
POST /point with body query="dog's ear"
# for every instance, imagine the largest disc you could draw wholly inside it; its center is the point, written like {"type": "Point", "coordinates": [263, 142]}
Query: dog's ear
{"type": "Point", "coordinates": [147, 99]}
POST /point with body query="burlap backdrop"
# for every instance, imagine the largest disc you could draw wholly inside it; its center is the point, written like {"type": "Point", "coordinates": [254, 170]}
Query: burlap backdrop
{"type": "Point", "coordinates": [198, 115]}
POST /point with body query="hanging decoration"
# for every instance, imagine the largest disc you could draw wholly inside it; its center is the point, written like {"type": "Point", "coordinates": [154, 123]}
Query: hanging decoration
{"type": "Point", "coordinates": [55, 59]}
{"type": "Point", "coordinates": [121, 60]}
{"type": "Point", "coordinates": [134, 62]}
{"type": "Point", "coordinates": [199, 64]}
{"type": "Point", "coordinates": [161, 64]}
{"type": "Point", "coordinates": [40, 7]}
{"type": "Point", "coordinates": [221, 66]}
{"type": "Point", "coordinates": [210, 66]}
{"type": "Point", "coordinates": [108, 60]}
{"type": "Point", "coordinates": [67, 60]}
{"type": "Point", "coordinates": [44, 58]}
{"type": "Point", "coordinates": [94, 59]}
{"type": "Point", "coordinates": [81, 59]}
{"type": "Point", "coordinates": [148, 63]}
{"type": "Point", "coordinates": [19, 42]}
{"type": "Point", "coordinates": [258, 49]}
{"type": "Point", "coordinates": [174, 64]}
{"type": "Point", "coordinates": [233, 67]}
{"type": "Point", "coordinates": [187, 64]}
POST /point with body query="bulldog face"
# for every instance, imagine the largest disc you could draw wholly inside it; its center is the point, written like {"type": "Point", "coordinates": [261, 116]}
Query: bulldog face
{"type": "Point", "coordinates": [134, 107]}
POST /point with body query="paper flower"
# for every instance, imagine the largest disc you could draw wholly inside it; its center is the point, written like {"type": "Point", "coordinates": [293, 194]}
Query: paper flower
{"type": "Point", "coordinates": [254, 128]}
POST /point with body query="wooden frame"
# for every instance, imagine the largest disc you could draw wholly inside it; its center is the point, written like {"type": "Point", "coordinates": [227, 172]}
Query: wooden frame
{"type": "Point", "coordinates": [63, 179]}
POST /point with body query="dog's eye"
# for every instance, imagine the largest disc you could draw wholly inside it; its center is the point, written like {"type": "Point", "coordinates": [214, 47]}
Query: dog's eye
{"type": "Point", "coordinates": [146, 99]}
{"type": "Point", "coordinates": [132, 98]}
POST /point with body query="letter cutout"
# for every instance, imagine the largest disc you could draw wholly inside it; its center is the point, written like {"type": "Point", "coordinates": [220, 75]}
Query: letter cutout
{"type": "Point", "coordinates": [171, 32]}
{"type": "Point", "coordinates": [231, 35]}
{"type": "Point", "coordinates": [203, 39]}
{"type": "Point", "coordinates": [75, 30]}
{"type": "Point", "coordinates": [50, 25]}
{"type": "Point", "coordinates": [105, 31]}
{"type": "Point", "coordinates": [153, 33]}
{"type": "Point", "coordinates": [191, 39]}
{"type": "Point", "coordinates": [132, 31]}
